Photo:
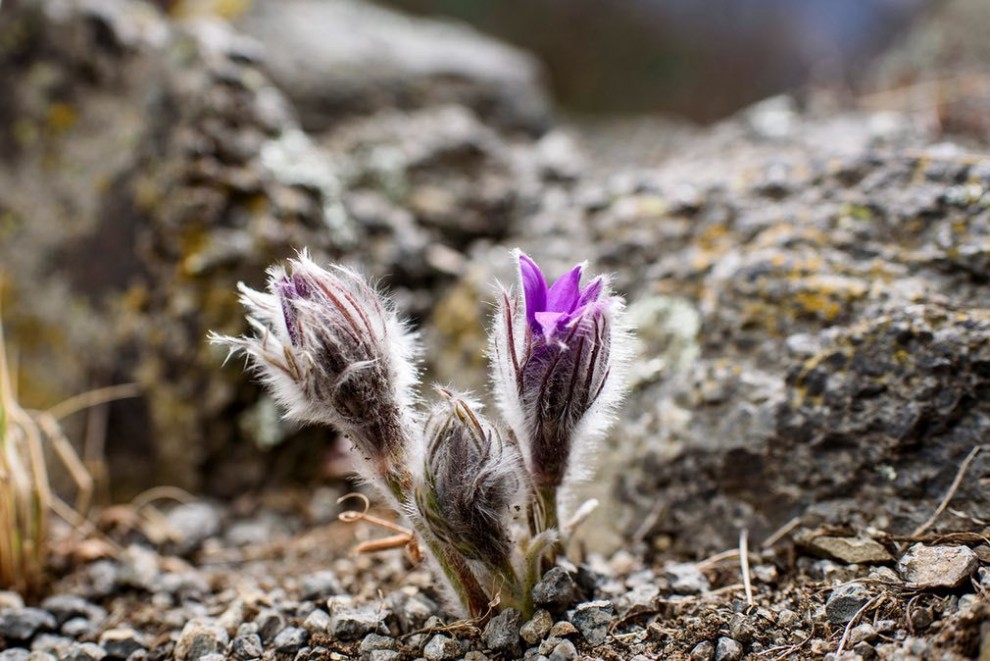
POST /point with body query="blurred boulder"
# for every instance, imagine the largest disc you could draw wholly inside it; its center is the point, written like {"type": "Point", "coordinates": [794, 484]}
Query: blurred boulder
{"type": "Point", "coordinates": [340, 58]}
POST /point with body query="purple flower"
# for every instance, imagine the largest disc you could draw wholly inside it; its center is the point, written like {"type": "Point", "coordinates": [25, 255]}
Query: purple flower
{"type": "Point", "coordinates": [550, 309]}
{"type": "Point", "coordinates": [331, 350]}
{"type": "Point", "coordinates": [555, 352]}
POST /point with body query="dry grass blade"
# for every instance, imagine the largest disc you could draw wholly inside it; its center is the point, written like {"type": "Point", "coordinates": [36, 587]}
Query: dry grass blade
{"type": "Point", "coordinates": [24, 493]}
{"type": "Point", "coordinates": [963, 467]}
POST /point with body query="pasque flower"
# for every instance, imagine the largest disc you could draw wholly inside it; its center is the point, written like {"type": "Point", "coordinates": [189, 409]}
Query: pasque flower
{"type": "Point", "coordinates": [331, 350]}
{"type": "Point", "coordinates": [556, 350]}
{"type": "Point", "coordinates": [471, 478]}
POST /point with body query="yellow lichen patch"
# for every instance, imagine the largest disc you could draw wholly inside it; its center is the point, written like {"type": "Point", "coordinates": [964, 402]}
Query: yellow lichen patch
{"type": "Point", "coordinates": [228, 9]}
{"type": "Point", "coordinates": [713, 237]}
{"type": "Point", "coordinates": [61, 117]}
{"type": "Point", "coordinates": [826, 297]}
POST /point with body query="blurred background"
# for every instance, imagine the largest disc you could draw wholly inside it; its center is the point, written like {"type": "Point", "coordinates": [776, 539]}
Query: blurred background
{"type": "Point", "coordinates": [700, 60]}
{"type": "Point", "coordinates": [152, 154]}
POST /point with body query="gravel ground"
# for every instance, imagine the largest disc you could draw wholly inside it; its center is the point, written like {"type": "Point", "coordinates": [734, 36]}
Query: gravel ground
{"type": "Point", "coordinates": [274, 579]}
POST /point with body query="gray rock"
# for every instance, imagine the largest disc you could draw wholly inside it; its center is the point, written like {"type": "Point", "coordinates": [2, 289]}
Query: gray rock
{"type": "Point", "coordinates": [501, 634]}
{"type": "Point", "coordinates": [139, 568]}
{"type": "Point", "coordinates": [194, 522]}
{"type": "Point", "coordinates": [854, 550]}
{"type": "Point", "coordinates": [727, 649]}
{"type": "Point", "coordinates": [42, 656]}
{"type": "Point", "coordinates": [24, 623]}
{"type": "Point", "coordinates": [927, 567]}
{"type": "Point", "coordinates": [270, 623]}
{"type": "Point", "coordinates": [247, 646]}
{"type": "Point", "coordinates": [564, 651]}
{"type": "Point", "coordinates": [122, 642]}
{"type": "Point", "coordinates": [556, 591]}
{"type": "Point", "coordinates": [65, 607]}
{"type": "Point", "coordinates": [46, 642]}
{"type": "Point", "coordinates": [374, 641]}
{"type": "Point", "coordinates": [862, 632]}
{"type": "Point", "coordinates": [685, 578]}
{"type": "Point", "coordinates": [14, 654]}
{"type": "Point", "coordinates": [199, 638]}
{"type": "Point", "coordinates": [592, 619]}
{"type": "Point", "coordinates": [844, 602]}
{"type": "Point", "coordinates": [10, 600]}
{"type": "Point", "coordinates": [537, 627]}
{"type": "Point", "coordinates": [383, 655]}
{"type": "Point", "coordinates": [319, 585]}
{"type": "Point", "coordinates": [349, 623]}
{"type": "Point", "coordinates": [85, 652]}
{"type": "Point", "coordinates": [317, 622]}
{"type": "Point", "coordinates": [290, 640]}
{"type": "Point", "coordinates": [703, 651]}
{"type": "Point", "coordinates": [334, 64]}
{"type": "Point", "coordinates": [441, 648]}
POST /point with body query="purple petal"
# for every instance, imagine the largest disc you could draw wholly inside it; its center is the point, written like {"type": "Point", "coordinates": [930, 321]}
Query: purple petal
{"type": "Point", "coordinates": [591, 292]}
{"type": "Point", "coordinates": [563, 296]}
{"type": "Point", "coordinates": [534, 287]}
{"type": "Point", "coordinates": [287, 291]}
{"type": "Point", "coordinates": [549, 321]}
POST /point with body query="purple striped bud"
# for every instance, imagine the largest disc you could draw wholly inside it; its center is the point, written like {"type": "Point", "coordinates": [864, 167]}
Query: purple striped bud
{"type": "Point", "coordinates": [555, 355]}
{"type": "Point", "coordinates": [331, 350]}
{"type": "Point", "coordinates": [471, 480]}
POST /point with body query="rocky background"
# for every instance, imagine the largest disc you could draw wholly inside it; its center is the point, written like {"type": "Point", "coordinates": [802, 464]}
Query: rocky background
{"type": "Point", "coordinates": [809, 279]}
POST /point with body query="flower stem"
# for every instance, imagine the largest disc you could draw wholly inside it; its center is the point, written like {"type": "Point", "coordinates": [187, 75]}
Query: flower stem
{"type": "Point", "coordinates": [453, 565]}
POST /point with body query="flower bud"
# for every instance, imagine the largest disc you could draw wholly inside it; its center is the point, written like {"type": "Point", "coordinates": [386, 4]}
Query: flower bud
{"type": "Point", "coordinates": [555, 355]}
{"type": "Point", "coordinates": [331, 350]}
{"type": "Point", "coordinates": [471, 479]}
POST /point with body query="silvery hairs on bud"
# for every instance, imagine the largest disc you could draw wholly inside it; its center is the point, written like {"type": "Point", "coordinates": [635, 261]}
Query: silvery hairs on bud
{"type": "Point", "coordinates": [559, 356]}
{"type": "Point", "coordinates": [471, 479]}
{"type": "Point", "coordinates": [331, 350]}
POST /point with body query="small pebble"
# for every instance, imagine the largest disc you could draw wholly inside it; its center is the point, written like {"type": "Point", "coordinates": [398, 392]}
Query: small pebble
{"type": "Point", "coordinates": [270, 624]}
{"type": "Point", "coordinates": [374, 641]}
{"type": "Point", "coordinates": [317, 622]}
{"type": "Point", "coordinates": [441, 648]}
{"type": "Point", "coordinates": [501, 634]}
{"type": "Point", "coordinates": [10, 600]}
{"type": "Point", "coordinates": [556, 591]}
{"type": "Point", "coordinates": [121, 642]}
{"type": "Point", "coordinates": [25, 623]}
{"type": "Point", "coordinates": [564, 651]}
{"type": "Point", "coordinates": [563, 629]}
{"type": "Point", "coordinates": [290, 640]}
{"type": "Point", "coordinates": [862, 632]}
{"type": "Point", "coordinates": [937, 566]}
{"type": "Point", "coordinates": [787, 619]}
{"type": "Point", "coordinates": [348, 623]}
{"type": "Point", "coordinates": [592, 619]}
{"type": "Point", "coordinates": [703, 651]}
{"type": "Point", "coordinates": [247, 646]}
{"type": "Point", "coordinates": [199, 638]}
{"type": "Point", "coordinates": [85, 652]}
{"type": "Point", "coordinates": [685, 578]}
{"type": "Point", "coordinates": [845, 601]}
{"type": "Point", "coordinates": [537, 627]}
{"type": "Point", "coordinates": [383, 655]}
{"type": "Point", "coordinates": [319, 586]}
{"type": "Point", "coordinates": [728, 649]}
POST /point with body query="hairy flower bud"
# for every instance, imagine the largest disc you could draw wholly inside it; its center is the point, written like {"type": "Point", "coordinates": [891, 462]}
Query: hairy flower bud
{"type": "Point", "coordinates": [471, 479]}
{"type": "Point", "coordinates": [331, 350]}
{"type": "Point", "coordinates": [555, 352]}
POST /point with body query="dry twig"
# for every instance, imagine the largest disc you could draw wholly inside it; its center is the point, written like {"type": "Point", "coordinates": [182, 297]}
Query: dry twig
{"type": "Point", "coordinates": [963, 467]}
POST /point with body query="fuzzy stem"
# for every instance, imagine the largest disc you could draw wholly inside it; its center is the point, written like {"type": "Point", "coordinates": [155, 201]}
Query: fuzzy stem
{"type": "Point", "coordinates": [547, 500]}
{"type": "Point", "coordinates": [455, 568]}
